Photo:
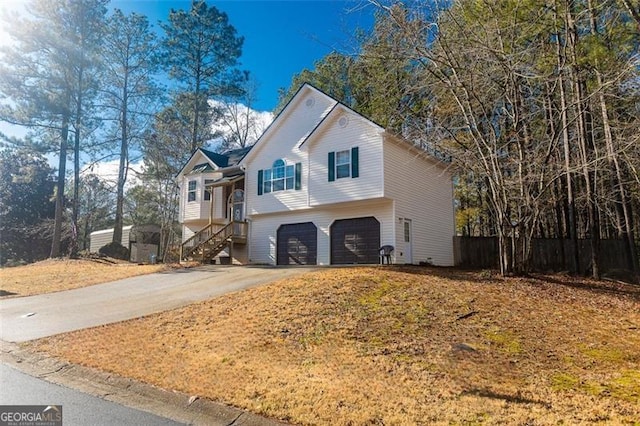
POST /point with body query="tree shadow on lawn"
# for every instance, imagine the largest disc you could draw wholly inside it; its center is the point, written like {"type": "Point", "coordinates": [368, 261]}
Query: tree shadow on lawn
{"type": "Point", "coordinates": [516, 399]}
{"type": "Point", "coordinates": [608, 288]}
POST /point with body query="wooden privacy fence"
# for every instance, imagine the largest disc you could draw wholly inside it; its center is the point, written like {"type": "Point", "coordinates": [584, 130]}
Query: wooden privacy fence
{"type": "Point", "coordinates": [547, 253]}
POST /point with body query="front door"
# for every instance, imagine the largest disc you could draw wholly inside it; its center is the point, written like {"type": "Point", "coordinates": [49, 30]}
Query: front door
{"type": "Point", "coordinates": [236, 204]}
{"type": "Point", "coordinates": [408, 255]}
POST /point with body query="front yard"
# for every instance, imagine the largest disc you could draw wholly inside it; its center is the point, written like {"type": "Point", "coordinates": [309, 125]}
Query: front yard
{"type": "Point", "coordinates": [66, 274]}
{"type": "Point", "coordinates": [393, 345]}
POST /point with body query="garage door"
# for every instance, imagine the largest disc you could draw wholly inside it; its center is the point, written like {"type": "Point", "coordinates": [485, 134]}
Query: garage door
{"type": "Point", "coordinates": [355, 241]}
{"type": "Point", "coordinates": [297, 244]}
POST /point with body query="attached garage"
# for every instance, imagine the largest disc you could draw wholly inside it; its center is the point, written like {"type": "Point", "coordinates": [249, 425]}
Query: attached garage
{"type": "Point", "coordinates": [297, 244]}
{"type": "Point", "coordinates": [355, 241]}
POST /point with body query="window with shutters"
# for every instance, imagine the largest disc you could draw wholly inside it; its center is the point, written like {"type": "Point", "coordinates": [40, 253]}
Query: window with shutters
{"type": "Point", "coordinates": [280, 177]}
{"type": "Point", "coordinates": [343, 164]}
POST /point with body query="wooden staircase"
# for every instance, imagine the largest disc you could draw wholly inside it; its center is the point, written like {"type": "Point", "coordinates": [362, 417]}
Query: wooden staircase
{"type": "Point", "coordinates": [212, 239]}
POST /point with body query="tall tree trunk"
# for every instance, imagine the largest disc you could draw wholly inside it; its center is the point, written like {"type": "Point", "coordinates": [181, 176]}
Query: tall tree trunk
{"type": "Point", "coordinates": [556, 187]}
{"type": "Point", "coordinates": [623, 215]}
{"type": "Point", "coordinates": [62, 170]}
{"type": "Point", "coordinates": [585, 141]}
{"type": "Point", "coordinates": [560, 233]}
{"type": "Point", "coordinates": [196, 117]}
{"type": "Point", "coordinates": [76, 169]}
{"type": "Point", "coordinates": [122, 168]}
{"type": "Point", "coordinates": [574, 255]}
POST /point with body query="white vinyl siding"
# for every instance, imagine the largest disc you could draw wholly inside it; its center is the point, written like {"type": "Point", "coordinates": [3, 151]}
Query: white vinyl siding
{"type": "Point", "coordinates": [359, 133]}
{"type": "Point", "coordinates": [423, 192]}
{"type": "Point", "coordinates": [198, 209]}
{"type": "Point", "coordinates": [283, 142]}
{"type": "Point", "coordinates": [263, 228]}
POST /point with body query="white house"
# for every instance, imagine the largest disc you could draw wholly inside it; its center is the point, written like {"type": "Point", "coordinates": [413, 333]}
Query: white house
{"type": "Point", "coordinates": [322, 185]}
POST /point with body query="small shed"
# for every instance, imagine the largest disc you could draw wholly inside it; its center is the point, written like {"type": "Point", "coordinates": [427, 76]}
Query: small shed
{"type": "Point", "coordinates": [144, 243]}
{"type": "Point", "coordinates": [105, 236]}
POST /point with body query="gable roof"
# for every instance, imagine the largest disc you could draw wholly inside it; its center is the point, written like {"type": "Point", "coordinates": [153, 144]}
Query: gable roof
{"type": "Point", "coordinates": [217, 159]}
{"type": "Point", "coordinates": [214, 160]}
{"type": "Point", "coordinates": [337, 106]}
{"type": "Point", "coordinates": [234, 156]}
{"type": "Point", "coordinates": [228, 158]}
{"type": "Point", "coordinates": [278, 118]}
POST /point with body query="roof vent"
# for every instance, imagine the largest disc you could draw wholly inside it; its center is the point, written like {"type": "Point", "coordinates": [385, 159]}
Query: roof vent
{"type": "Point", "coordinates": [343, 121]}
{"type": "Point", "coordinates": [310, 102]}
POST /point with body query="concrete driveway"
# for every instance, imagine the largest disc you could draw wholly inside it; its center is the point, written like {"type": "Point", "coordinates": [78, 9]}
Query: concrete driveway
{"type": "Point", "coordinates": [33, 317]}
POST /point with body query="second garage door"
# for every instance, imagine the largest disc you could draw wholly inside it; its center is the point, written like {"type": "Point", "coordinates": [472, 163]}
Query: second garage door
{"type": "Point", "coordinates": [297, 244]}
{"type": "Point", "coordinates": [355, 241]}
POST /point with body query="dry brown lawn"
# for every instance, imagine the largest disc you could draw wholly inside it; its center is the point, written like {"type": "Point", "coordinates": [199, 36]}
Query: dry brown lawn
{"type": "Point", "coordinates": [395, 345]}
{"type": "Point", "coordinates": [66, 274]}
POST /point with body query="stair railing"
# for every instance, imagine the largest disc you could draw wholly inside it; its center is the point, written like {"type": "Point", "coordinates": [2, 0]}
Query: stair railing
{"type": "Point", "coordinates": [214, 236]}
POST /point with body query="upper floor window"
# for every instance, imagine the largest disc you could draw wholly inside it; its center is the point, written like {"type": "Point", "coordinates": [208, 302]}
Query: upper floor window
{"type": "Point", "coordinates": [343, 164]}
{"type": "Point", "coordinates": [191, 193]}
{"type": "Point", "coordinates": [280, 177]}
{"type": "Point", "coordinates": [207, 192]}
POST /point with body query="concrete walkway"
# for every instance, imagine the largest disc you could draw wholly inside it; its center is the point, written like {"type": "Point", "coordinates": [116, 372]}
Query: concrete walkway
{"type": "Point", "coordinates": [33, 317]}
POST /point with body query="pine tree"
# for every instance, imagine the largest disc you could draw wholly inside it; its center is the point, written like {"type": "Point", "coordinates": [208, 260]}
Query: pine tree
{"type": "Point", "coordinates": [45, 77]}
{"type": "Point", "coordinates": [130, 62]}
{"type": "Point", "coordinates": [201, 48]}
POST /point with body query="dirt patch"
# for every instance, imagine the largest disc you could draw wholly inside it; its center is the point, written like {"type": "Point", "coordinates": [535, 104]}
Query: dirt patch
{"type": "Point", "coordinates": [392, 346]}
{"type": "Point", "coordinates": [66, 274]}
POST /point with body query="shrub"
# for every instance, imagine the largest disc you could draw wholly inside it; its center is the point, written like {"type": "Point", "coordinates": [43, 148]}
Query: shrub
{"type": "Point", "coordinates": [115, 250]}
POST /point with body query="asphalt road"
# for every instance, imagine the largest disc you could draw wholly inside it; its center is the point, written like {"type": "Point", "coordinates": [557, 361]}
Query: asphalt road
{"type": "Point", "coordinates": [77, 408]}
{"type": "Point", "coordinates": [33, 317]}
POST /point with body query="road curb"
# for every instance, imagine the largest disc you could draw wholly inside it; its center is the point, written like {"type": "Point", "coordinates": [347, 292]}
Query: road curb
{"type": "Point", "coordinates": [177, 406]}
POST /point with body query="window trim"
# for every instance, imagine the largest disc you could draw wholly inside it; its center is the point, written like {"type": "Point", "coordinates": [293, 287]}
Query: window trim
{"type": "Point", "coordinates": [192, 191]}
{"type": "Point", "coordinates": [282, 176]}
{"type": "Point", "coordinates": [207, 195]}
{"type": "Point", "coordinates": [407, 231]}
{"type": "Point", "coordinates": [343, 166]}
{"type": "Point", "coordinates": [348, 169]}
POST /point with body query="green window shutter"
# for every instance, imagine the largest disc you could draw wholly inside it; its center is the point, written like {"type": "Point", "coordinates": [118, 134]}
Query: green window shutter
{"type": "Point", "coordinates": [298, 184]}
{"type": "Point", "coordinates": [260, 182]}
{"type": "Point", "coordinates": [332, 166]}
{"type": "Point", "coordinates": [354, 163]}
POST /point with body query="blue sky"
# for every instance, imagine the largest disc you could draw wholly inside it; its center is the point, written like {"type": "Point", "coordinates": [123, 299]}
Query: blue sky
{"type": "Point", "coordinates": [281, 38]}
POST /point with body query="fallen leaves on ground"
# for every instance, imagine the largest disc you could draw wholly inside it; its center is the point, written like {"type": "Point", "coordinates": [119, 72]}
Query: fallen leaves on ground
{"type": "Point", "coordinates": [392, 345]}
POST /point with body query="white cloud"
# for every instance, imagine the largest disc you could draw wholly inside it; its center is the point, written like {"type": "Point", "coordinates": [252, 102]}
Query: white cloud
{"type": "Point", "coordinates": [237, 115]}
{"type": "Point", "coordinates": [107, 171]}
